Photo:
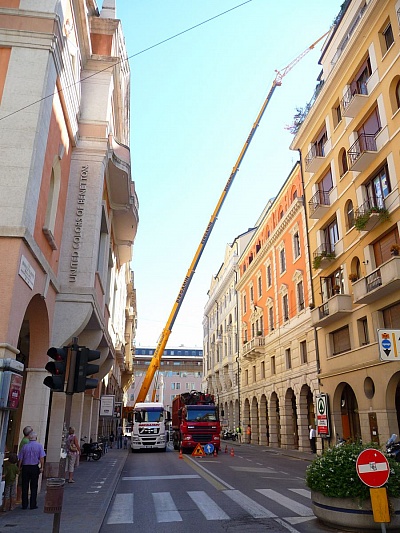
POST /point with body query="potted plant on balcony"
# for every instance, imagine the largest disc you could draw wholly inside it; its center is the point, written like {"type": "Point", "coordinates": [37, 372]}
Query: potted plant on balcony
{"type": "Point", "coordinates": [353, 277]}
{"type": "Point", "coordinates": [318, 259]}
{"type": "Point", "coordinates": [259, 333]}
{"type": "Point", "coordinates": [365, 221]}
{"type": "Point", "coordinates": [338, 495]}
{"type": "Point", "coordinates": [336, 289]}
{"type": "Point", "coordinates": [395, 249]}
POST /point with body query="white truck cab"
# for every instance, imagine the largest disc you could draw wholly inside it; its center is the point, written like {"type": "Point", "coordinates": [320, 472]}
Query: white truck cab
{"type": "Point", "coordinates": [149, 427]}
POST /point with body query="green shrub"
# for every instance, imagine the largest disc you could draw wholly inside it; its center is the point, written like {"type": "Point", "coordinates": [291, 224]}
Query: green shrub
{"type": "Point", "coordinates": [334, 473]}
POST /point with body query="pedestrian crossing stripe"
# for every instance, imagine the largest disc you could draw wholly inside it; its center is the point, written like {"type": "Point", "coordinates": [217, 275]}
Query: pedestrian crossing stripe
{"type": "Point", "coordinates": [198, 451]}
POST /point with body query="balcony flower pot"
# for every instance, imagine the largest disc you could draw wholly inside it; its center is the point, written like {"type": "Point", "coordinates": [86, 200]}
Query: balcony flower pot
{"type": "Point", "coordinates": [353, 277]}
{"type": "Point", "coordinates": [336, 289]}
{"type": "Point", "coordinates": [395, 249]}
{"type": "Point", "coordinates": [340, 498]}
{"type": "Point", "coordinates": [322, 260]}
{"type": "Point", "coordinates": [367, 220]}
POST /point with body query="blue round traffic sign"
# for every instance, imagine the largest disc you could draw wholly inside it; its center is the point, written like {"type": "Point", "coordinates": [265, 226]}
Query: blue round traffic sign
{"type": "Point", "coordinates": [208, 448]}
{"type": "Point", "coordinates": [386, 344]}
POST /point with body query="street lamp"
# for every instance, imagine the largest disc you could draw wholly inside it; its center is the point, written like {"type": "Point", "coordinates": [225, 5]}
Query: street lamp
{"type": "Point", "coordinates": [238, 386]}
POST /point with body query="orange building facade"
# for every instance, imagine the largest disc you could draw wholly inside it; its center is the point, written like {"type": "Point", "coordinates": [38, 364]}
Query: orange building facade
{"type": "Point", "coordinates": [278, 358]}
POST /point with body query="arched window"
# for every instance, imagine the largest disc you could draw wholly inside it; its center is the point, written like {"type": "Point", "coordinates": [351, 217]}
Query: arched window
{"type": "Point", "coordinates": [350, 214]}
{"type": "Point", "coordinates": [398, 94]}
{"type": "Point", "coordinates": [343, 165]}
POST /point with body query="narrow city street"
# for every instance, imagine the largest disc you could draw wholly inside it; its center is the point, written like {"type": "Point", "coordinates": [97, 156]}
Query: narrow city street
{"type": "Point", "coordinates": [245, 488]}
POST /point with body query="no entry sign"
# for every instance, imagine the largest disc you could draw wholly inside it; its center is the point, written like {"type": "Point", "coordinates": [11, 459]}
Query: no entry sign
{"type": "Point", "coordinates": [372, 468]}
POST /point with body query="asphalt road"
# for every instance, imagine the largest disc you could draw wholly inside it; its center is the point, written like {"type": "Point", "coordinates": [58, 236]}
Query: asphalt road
{"type": "Point", "coordinates": [251, 491]}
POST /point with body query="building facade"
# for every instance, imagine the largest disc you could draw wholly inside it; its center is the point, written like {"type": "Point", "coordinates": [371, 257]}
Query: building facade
{"type": "Point", "coordinates": [349, 143]}
{"type": "Point", "coordinates": [278, 357]}
{"type": "Point", "coordinates": [69, 211]}
{"type": "Point", "coordinates": [181, 371]}
{"type": "Point", "coordinates": [221, 335]}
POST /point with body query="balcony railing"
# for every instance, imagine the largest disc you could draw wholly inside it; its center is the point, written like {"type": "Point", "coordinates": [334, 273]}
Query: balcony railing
{"type": "Point", "coordinates": [319, 204]}
{"type": "Point", "coordinates": [354, 99]}
{"type": "Point", "coordinates": [315, 158]}
{"type": "Point", "coordinates": [379, 283]}
{"type": "Point", "coordinates": [338, 306]}
{"type": "Point", "coordinates": [362, 152]}
{"type": "Point", "coordinates": [254, 347]}
{"type": "Point", "coordinates": [323, 255]}
{"type": "Point", "coordinates": [370, 214]}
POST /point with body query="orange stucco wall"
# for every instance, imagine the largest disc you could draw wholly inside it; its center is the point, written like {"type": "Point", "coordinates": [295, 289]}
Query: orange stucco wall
{"type": "Point", "coordinates": [266, 228]}
{"type": "Point", "coordinates": [57, 137]}
{"type": "Point", "coordinates": [4, 61]}
{"type": "Point", "coordinates": [13, 4]}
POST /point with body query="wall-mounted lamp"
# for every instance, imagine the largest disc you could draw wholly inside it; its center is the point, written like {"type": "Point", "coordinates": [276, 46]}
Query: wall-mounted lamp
{"type": "Point", "coordinates": [365, 262]}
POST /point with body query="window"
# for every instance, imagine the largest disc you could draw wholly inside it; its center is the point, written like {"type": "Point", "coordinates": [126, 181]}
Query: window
{"type": "Point", "coordinates": [282, 259]}
{"type": "Point", "coordinates": [269, 276]}
{"type": "Point", "coordinates": [340, 340]}
{"type": "Point", "coordinates": [331, 235]}
{"type": "Point", "coordinates": [251, 294]}
{"type": "Point", "coordinates": [363, 335]}
{"type": "Point", "coordinates": [259, 285]}
{"type": "Point", "coordinates": [244, 304]}
{"type": "Point", "coordinates": [271, 318]}
{"type": "Point", "coordinates": [337, 114]}
{"type": "Point", "coordinates": [285, 307]}
{"type": "Point", "coordinates": [288, 359]}
{"type": "Point", "coordinates": [262, 370]}
{"type": "Point", "coordinates": [388, 38]}
{"type": "Point", "coordinates": [343, 164]}
{"type": "Point", "coordinates": [378, 187]}
{"type": "Point", "coordinates": [246, 377]}
{"type": "Point", "coordinates": [175, 386]}
{"type": "Point", "coordinates": [398, 94]}
{"type": "Point", "coordinates": [273, 367]}
{"type": "Point", "coordinates": [296, 245]}
{"type": "Point", "coordinates": [300, 296]}
{"type": "Point", "coordinates": [254, 374]}
{"type": "Point", "coordinates": [303, 352]}
{"type": "Point", "coordinates": [391, 317]}
{"type": "Point", "coordinates": [382, 247]}
{"type": "Point", "coordinates": [326, 183]}
{"type": "Point", "coordinates": [359, 84]}
{"type": "Point", "coordinates": [349, 214]}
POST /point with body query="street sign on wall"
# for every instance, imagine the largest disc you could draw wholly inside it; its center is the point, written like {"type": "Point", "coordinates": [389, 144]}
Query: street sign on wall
{"type": "Point", "coordinates": [322, 415]}
{"type": "Point", "coordinates": [389, 344]}
{"type": "Point", "coordinates": [372, 468]}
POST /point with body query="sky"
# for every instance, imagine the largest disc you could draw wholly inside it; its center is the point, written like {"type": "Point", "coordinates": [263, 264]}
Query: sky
{"type": "Point", "coordinates": [194, 100]}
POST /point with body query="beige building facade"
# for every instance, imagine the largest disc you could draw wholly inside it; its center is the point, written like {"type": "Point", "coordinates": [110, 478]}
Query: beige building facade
{"type": "Point", "coordinates": [349, 143]}
{"type": "Point", "coordinates": [69, 210]}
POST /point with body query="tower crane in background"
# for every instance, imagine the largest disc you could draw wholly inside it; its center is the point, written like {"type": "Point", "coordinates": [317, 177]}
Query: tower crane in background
{"type": "Point", "coordinates": [156, 359]}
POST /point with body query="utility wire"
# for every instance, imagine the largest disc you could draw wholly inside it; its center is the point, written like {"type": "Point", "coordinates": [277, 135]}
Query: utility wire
{"type": "Point", "coordinates": [127, 59]}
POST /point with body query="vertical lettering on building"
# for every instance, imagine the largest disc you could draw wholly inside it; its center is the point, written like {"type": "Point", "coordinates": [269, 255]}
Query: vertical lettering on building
{"type": "Point", "coordinates": [78, 223]}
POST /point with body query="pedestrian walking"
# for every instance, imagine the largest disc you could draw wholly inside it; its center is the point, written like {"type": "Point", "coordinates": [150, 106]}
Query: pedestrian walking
{"type": "Point", "coordinates": [31, 462]}
{"type": "Point", "coordinates": [10, 473]}
{"type": "Point", "coordinates": [111, 438]}
{"type": "Point", "coordinates": [313, 439]}
{"type": "Point", "coordinates": [73, 451]}
{"type": "Point", "coordinates": [239, 433]}
{"type": "Point", "coordinates": [119, 437]}
{"type": "Point", "coordinates": [125, 442]}
{"type": "Point", "coordinates": [248, 434]}
{"type": "Point", "coordinates": [24, 440]}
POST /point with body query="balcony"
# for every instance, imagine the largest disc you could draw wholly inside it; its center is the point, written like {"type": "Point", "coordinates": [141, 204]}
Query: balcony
{"type": "Point", "coordinates": [123, 198]}
{"type": "Point", "coordinates": [337, 307]}
{"type": "Point", "coordinates": [362, 153]}
{"type": "Point", "coordinates": [319, 204]}
{"type": "Point", "coordinates": [315, 158]}
{"type": "Point", "coordinates": [354, 100]}
{"type": "Point", "coordinates": [323, 256]}
{"type": "Point", "coordinates": [381, 282]}
{"type": "Point", "coordinates": [254, 348]}
{"type": "Point", "coordinates": [368, 216]}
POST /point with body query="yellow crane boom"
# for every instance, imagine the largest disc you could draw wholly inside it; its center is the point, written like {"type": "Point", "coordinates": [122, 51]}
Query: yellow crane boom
{"type": "Point", "coordinates": [156, 359]}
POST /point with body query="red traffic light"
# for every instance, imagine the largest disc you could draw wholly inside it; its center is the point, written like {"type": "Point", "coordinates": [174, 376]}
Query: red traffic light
{"type": "Point", "coordinates": [57, 368]}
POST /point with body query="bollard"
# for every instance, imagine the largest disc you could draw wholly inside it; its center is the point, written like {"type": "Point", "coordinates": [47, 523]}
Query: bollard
{"type": "Point", "coordinates": [54, 495]}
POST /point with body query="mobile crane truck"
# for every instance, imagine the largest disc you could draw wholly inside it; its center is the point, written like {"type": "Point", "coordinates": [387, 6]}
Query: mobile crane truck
{"type": "Point", "coordinates": [195, 420]}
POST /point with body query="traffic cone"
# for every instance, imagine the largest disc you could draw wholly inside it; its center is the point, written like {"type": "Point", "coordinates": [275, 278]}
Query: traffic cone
{"type": "Point", "coordinates": [180, 454]}
{"type": "Point", "coordinates": [232, 452]}
{"type": "Point", "coordinates": [215, 452]}
{"type": "Point", "coordinates": [226, 448]}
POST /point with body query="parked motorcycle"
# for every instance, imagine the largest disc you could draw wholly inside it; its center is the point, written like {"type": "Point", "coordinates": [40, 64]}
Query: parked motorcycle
{"type": "Point", "coordinates": [92, 450]}
{"type": "Point", "coordinates": [393, 448]}
{"type": "Point", "coordinates": [227, 434]}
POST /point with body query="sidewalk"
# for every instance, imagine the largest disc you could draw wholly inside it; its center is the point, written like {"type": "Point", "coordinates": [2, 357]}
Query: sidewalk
{"type": "Point", "coordinates": [88, 497]}
{"type": "Point", "coordinates": [305, 456]}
